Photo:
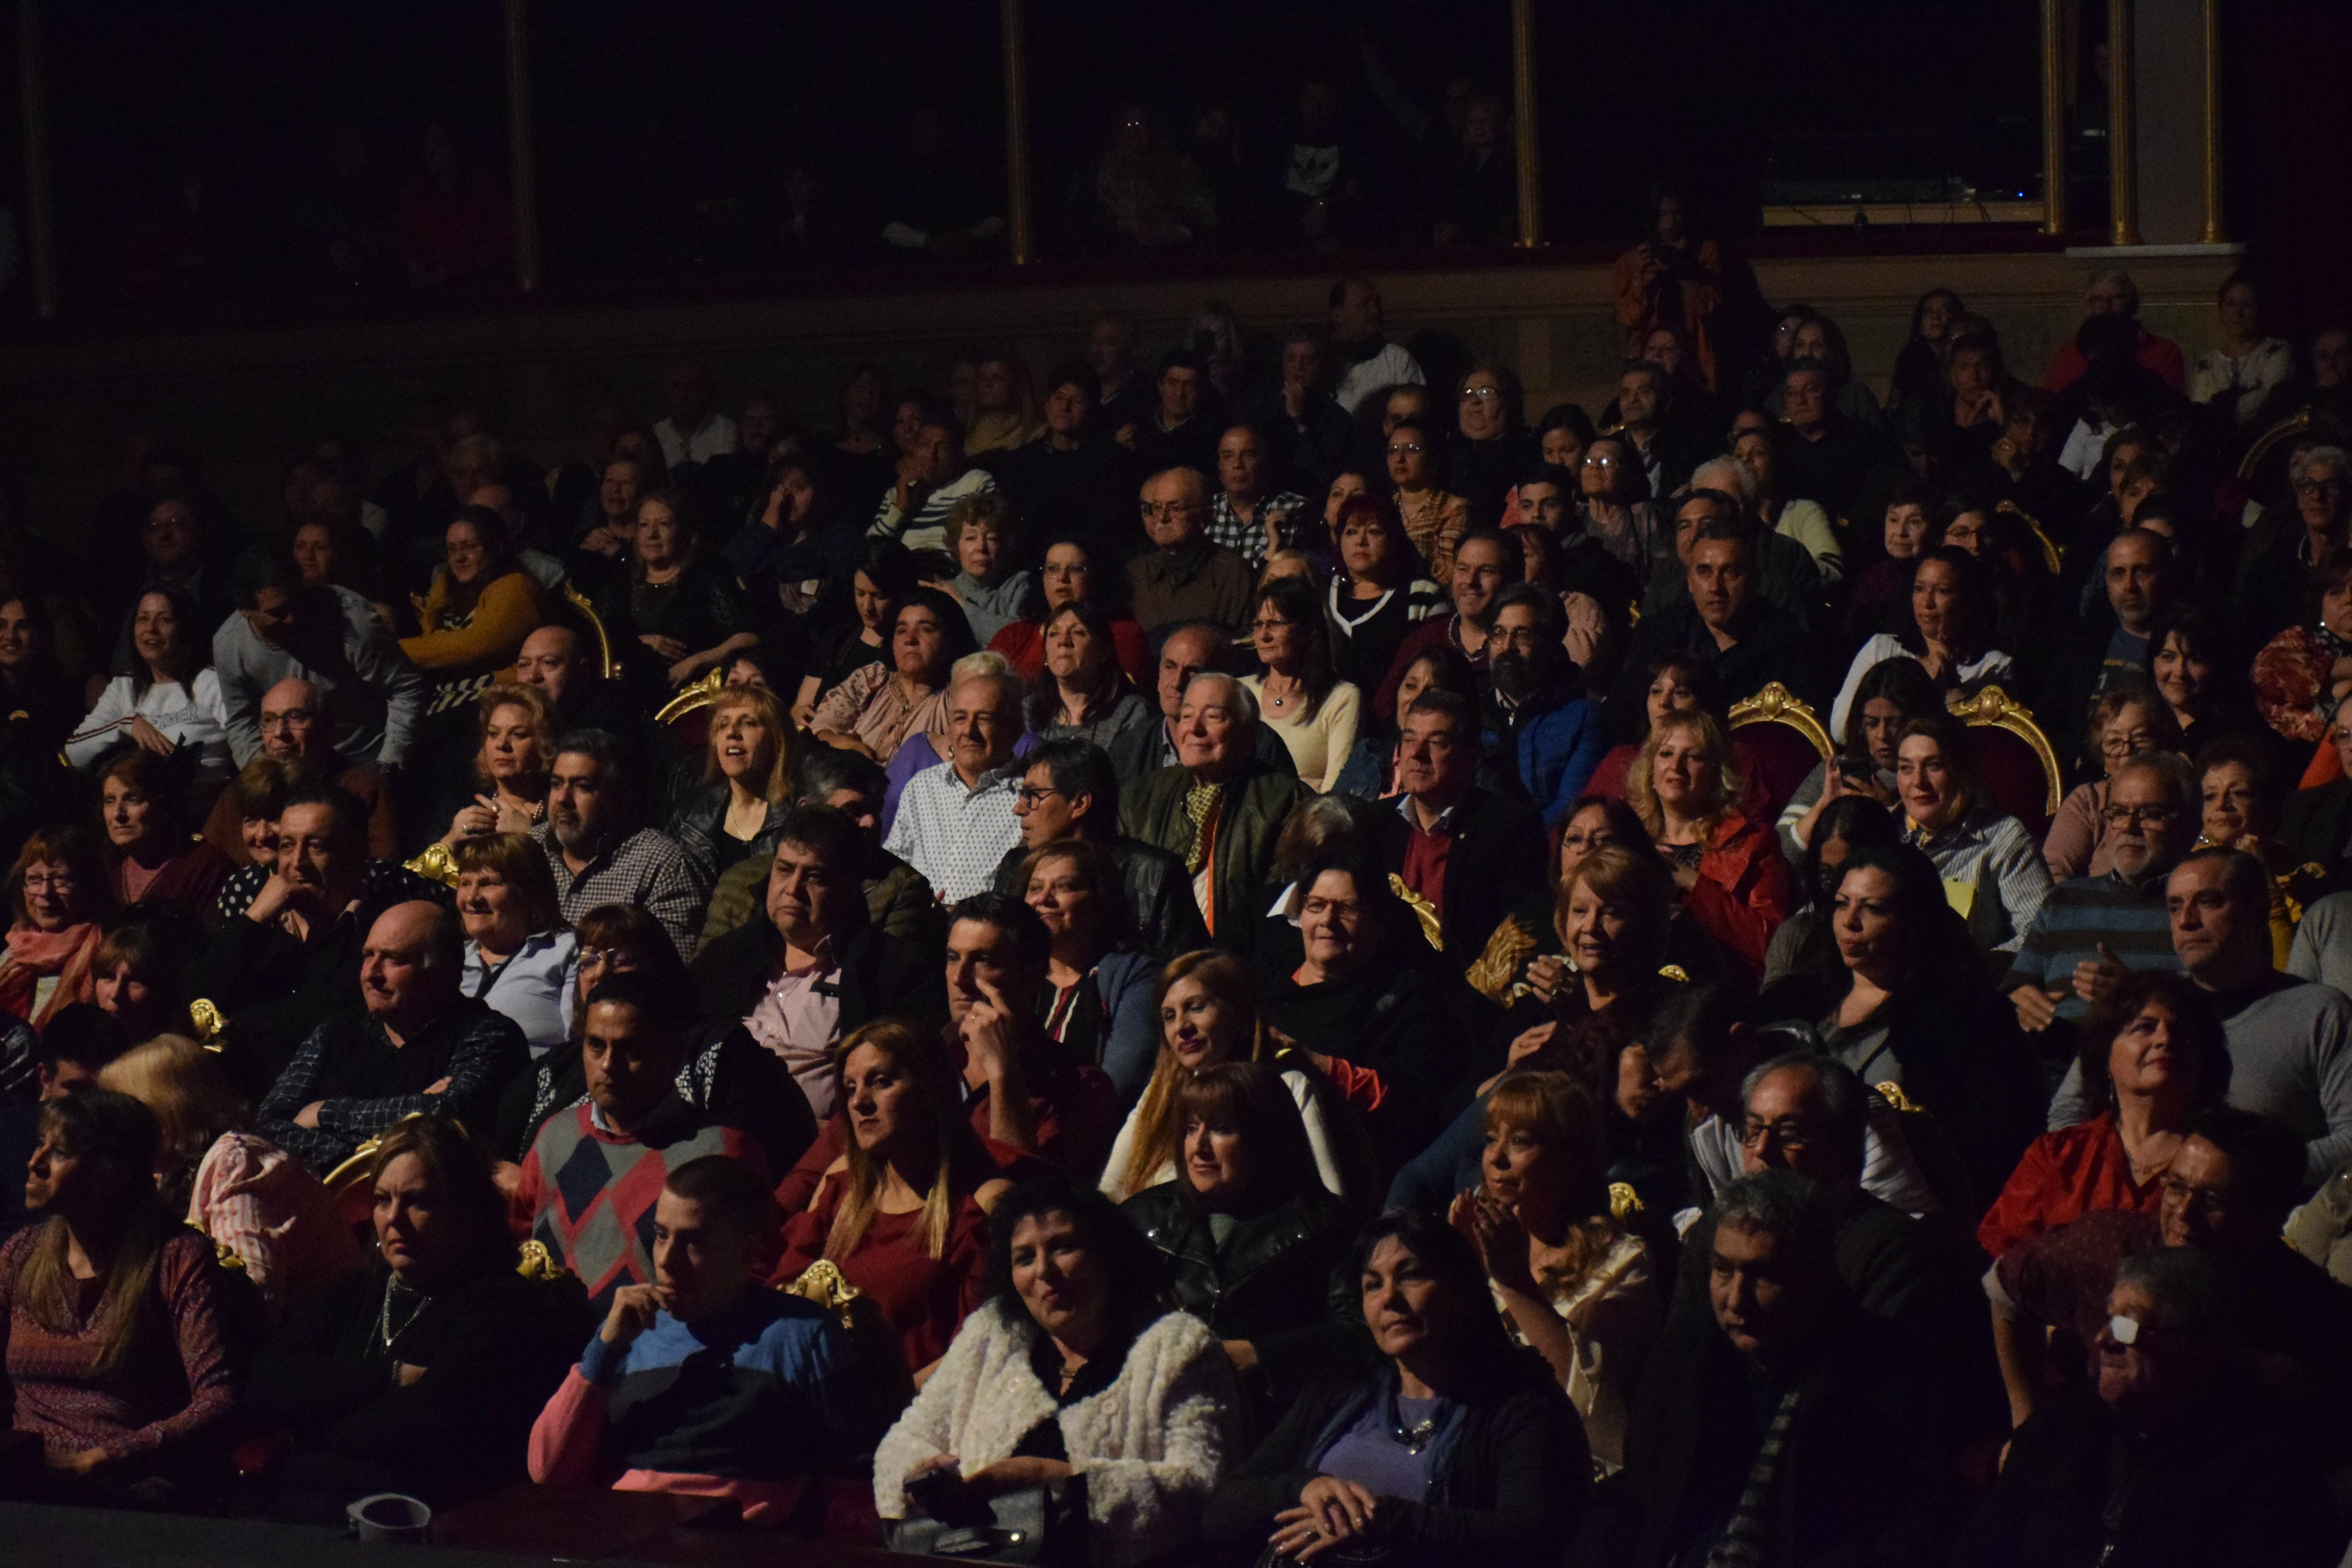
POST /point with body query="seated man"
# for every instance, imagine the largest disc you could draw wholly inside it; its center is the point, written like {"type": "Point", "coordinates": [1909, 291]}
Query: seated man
{"type": "Point", "coordinates": [422, 1046]}
{"type": "Point", "coordinates": [811, 966]}
{"type": "Point", "coordinates": [645, 1410]}
{"type": "Point", "coordinates": [1784, 1379]}
{"type": "Point", "coordinates": [601, 854]}
{"type": "Point", "coordinates": [287, 951]}
{"type": "Point", "coordinates": [375, 699]}
{"type": "Point", "coordinates": [1219, 809]}
{"type": "Point", "coordinates": [1187, 577]}
{"type": "Point", "coordinates": [2217, 1471]}
{"type": "Point", "coordinates": [955, 820]}
{"type": "Point", "coordinates": [2227, 1191]}
{"type": "Point", "coordinates": [1070, 792]}
{"type": "Point", "coordinates": [1194, 648]}
{"type": "Point", "coordinates": [898, 899]}
{"type": "Point", "coordinates": [294, 726]}
{"type": "Point", "coordinates": [589, 1184]}
{"type": "Point", "coordinates": [1474, 854]}
{"type": "Point", "coordinates": [1739, 637]}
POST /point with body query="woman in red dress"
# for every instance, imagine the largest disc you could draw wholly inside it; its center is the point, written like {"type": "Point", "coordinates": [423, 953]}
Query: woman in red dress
{"type": "Point", "coordinates": [2153, 1055]}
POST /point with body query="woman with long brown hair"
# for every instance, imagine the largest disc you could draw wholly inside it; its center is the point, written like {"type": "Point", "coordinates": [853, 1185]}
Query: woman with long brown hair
{"type": "Point", "coordinates": [142, 811]}
{"type": "Point", "coordinates": [116, 1351]}
{"type": "Point", "coordinates": [903, 1212]}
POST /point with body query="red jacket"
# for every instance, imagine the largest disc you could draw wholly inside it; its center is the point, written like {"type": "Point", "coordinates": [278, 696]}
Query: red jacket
{"type": "Point", "coordinates": [2160, 357]}
{"type": "Point", "coordinates": [1744, 889]}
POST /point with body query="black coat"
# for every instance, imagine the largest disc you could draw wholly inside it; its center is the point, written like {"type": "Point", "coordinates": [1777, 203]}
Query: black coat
{"type": "Point", "coordinates": [2315, 825]}
{"type": "Point", "coordinates": [880, 975]}
{"type": "Point", "coordinates": [1160, 908]}
{"type": "Point", "coordinates": [1511, 1490]}
{"type": "Point", "coordinates": [1393, 1020]}
{"type": "Point", "coordinates": [1497, 860]}
{"type": "Point", "coordinates": [493, 1349]}
{"type": "Point", "coordinates": [697, 820]}
{"type": "Point", "coordinates": [1773, 648]}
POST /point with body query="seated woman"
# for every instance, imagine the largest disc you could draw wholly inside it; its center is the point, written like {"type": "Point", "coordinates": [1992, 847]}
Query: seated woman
{"type": "Point", "coordinates": [1299, 695]}
{"type": "Point", "coordinates": [1891, 694]}
{"type": "Point", "coordinates": [1572, 1284]}
{"type": "Point", "coordinates": [980, 535]}
{"type": "Point", "coordinates": [1678, 684]}
{"type": "Point", "coordinates": [2239, 793]}
{"type": "Point", "coordinates": [747, 776]}
{"type": "Point", "coordinates": [1359, 997]}
{"type": "Point", "coordinates": [1735, 884]}
{"type": "Point", "coordinates": [1071, 1369]}
{"type": "Point", "coordinates": [139, 975]}
{"type": "Point", "coordinates": [902, 1213]}
{"type": "Point", "coordinates": [1083, 692]}
{"type": "Point", "coordinates": [1761, 450]}
{"type": "Point", "coordinates": [1803, 975]}
{"type": "Point", "coordinates": [116, 1347]}
{"type": "Point", "coordinates": [1919, 1013]}
{"type": "Point", "coordinates": [505, 790]}
{"type": "Point", "coordinates": [170, 698]}
{"type": "Point", "coordinates": [150, 855]}
{"type": "Point", "coordinates": [2153, 1055]}
{"type": "Point", "coordinates": [58, 892]}
{"type": "Point", "coordinates": [247, 1194]}
{"type": "Point", "coordinates": [1908, 533]}
{"type": "Point", "coordinates": [521, 958]}
{"type": "Point", "coordinates": [1070, 576]}
{"type": "Point", "coordinates": [1208, 1013]}
{"type": "Point", "coordinates": [2129, 718]}
{"type": "Point", "coordinates": [1616, 509]}
{"type": "Point", "coordinates": [2303, 673]}
{"type": "Point", "coordinates": [1253, 1240]}
{"type": "Point", "coordinates": [879, 708]}
{"type": "Point", "coordinates": [879, 580]}
{"type": "Point", "coordinates": [39, 702]}
{"type": "Point", "coordinates": [1100, 989]}
{"type": "Point", "coordinates": [1947, 631]}
{"type": "Point", "coordinates": [481, 606]}
{"type": "Point", "coordinates": [672, 612]}
{"type": "Point", "coordinates": [423, 1372]}
{"type": "Point", "coordinates": [1455, 1446]}
{"type": "Point", "coordinates": [1379, 593]}
{"type": "Point", "coordinates": [1991, 866]}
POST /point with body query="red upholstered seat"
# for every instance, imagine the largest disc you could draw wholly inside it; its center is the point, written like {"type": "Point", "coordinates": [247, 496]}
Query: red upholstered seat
{"type": "Point", "coordinates": [2013, 757]}
{"type": "Point", "coordinates": [1781, 758]}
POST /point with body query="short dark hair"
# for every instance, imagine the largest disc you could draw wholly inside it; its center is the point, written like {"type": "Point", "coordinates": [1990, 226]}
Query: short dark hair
{"type": "Point", "coordinates": [825, 832]}
{"type": "Point", "coordinates": [1078, 766]}
{"type": "Point", "coordinates": [1453, 704]}
{"type": "Point", "coordinates": [1030, 940]}
{"type": "Point", "coordinates": [84, 1034]}
{"type": "Point", "coordinates": [1713, 498]}
{"type": "Point", "coordinates": [728, 1190]}
{"type": "Point", "coordinates": [258, 570]}
{"type": "Point", "coordinates": [351, 817]}
{"type": "Point", "coordinates": [1138, 1275]}
{"type": "Point", "coordinates": [826, 770]}
{"type": "Point", "coordinates": [2243, 877]}
{"type": "Point", "coordinates": [613, 769]}
{"type": "Point", "coordinates": [1076, 372]}
{"type": "Point", "coordinates": [2266, 1156]}
{"type": "Point", "coordinates": [1515, 555]}
{"type": "Point", "coordinates": [661, 1005]}
{"type": "Point", "coordinates": [1181, 359]}
{"type": "Point", "coordinates": [1719, 532]}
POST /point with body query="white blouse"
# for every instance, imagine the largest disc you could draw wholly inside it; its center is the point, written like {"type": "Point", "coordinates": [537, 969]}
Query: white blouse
{"type": "Point", "coordinates": [189, 718]}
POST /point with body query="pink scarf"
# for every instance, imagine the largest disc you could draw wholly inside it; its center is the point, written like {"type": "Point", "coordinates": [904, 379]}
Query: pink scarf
{"type": "Point", "coordinates": [33, 954]}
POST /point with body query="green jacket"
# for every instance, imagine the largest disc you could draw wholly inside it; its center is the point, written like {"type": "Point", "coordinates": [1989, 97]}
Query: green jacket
{"type": "Point", "coordinates": [1256, 804]}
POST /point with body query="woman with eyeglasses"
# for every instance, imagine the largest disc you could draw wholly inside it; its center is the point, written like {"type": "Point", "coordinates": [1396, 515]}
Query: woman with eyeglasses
{"type": "Point", "coordinates": [57, 892]}
{"type": "Point", "coordinates": [1615, 508]}
{"type": "Point", "coordinates": [2127, 720]}
{"type": "Point", "coordinates": [1491, 450]}
{"type": "Point", "coordinates": [481, 606]}
{"type": "Point", "coordinates": [1069, 575]}
{"type": "Point", "coordinates": [1435, 518]}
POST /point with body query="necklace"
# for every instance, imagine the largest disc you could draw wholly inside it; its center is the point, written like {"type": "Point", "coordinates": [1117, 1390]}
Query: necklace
{"type": "Point", "coordinates": [385, 1332]}
{"type": "Point", "coordinates": [1412, 1438]}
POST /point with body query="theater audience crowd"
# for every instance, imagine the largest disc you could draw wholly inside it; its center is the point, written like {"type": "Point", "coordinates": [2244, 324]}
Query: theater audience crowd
{"type": "Point", "coordinates": [1218, 963]}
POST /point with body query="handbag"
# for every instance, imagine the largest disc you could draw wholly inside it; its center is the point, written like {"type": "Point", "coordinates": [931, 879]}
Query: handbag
{"type": "Point", "coordinates": [1041, 1524]}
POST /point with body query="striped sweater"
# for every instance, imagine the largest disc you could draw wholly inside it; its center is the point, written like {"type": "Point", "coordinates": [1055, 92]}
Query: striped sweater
{"type": "Point", "coordinates": [2080, 915]}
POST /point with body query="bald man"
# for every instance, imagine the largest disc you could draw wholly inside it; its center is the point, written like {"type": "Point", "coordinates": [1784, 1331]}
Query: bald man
{"type": "Point", "coordinates": [418, 1044]}
{"type": "Point", "coordinates": [296, 727]}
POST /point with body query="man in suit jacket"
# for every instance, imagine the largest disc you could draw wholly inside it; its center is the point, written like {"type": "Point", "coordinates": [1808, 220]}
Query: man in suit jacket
{"type": "Point", "coordinates": [1219, 809]}
{"type": "Point", "coordinates": [1472, 853]}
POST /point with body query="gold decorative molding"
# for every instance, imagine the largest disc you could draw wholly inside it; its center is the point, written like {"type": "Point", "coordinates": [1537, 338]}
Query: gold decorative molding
{"type": "Point", "coordinates": [572, 596]}
{"type": "Point", "coordinates": [1431, 928]}
{"type": "Point", "coordinates": [1776, 704]}
{"type": "Point", "coordinates": [1993, 709]}
{"type": "Point", "coordinates": [2050, 556]}
{"type": "Point", "coordinates": [437, 864]}
{"type": "Point", "coordinates": [695, 694]}
{"type": "Point", "coordinates": [2285, 429]}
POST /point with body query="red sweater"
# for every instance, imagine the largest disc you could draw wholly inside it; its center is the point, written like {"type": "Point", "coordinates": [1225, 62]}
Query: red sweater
{"type": "Point", "coordinates": [2065, 1175]}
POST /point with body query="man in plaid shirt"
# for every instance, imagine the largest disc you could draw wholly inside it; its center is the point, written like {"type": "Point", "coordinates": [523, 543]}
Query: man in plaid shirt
{"type": "Point", "coordinates": [420, 1044]}
{"type": "Point", "coordinates": [1243, 518]}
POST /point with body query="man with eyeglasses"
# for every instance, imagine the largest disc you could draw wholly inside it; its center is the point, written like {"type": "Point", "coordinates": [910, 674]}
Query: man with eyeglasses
{"type": "Point", "coordinates": [2091, 931]}
{"type": "Point", "coordinates": [2226, 1192]}
{"type": "Point", "coordinates": [2283, 565]}
{"type": "Point", "coordinates": [294, 728]}
{"type": "Point", "coordinates": [1069, 791]}
{"type": "Point", "coordinates": [1186, 576]}
{"type": "Point", "coordinates": [375, 699]}
{"type": "Point", "coordinates": [2290, 1041]}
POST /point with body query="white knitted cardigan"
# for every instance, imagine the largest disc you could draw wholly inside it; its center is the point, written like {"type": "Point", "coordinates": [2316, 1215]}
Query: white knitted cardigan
{"type": "Point", "coordinates": [1152, 1446]}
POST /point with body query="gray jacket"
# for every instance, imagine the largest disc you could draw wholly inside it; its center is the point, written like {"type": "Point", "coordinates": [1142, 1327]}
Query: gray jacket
{"type": "Point", "coordinates": [373, 694]}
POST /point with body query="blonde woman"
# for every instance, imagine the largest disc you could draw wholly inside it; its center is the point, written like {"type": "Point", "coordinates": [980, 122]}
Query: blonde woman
{"type": "Point", "coordinates": [508, 787]}
{"type": "Point", "coordinates": [1685, 787]}
{"type": "Point", "coordinates": [246, 1193]}
{"type": "Point", "coordinates": [902, 1213]}
{"type": "Point", "coordinates": [746, 778]}
{"type": "Point", "coordinates": [1209, 1013]}
{"type": "Point", "coordinates": [1570, 1283]}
